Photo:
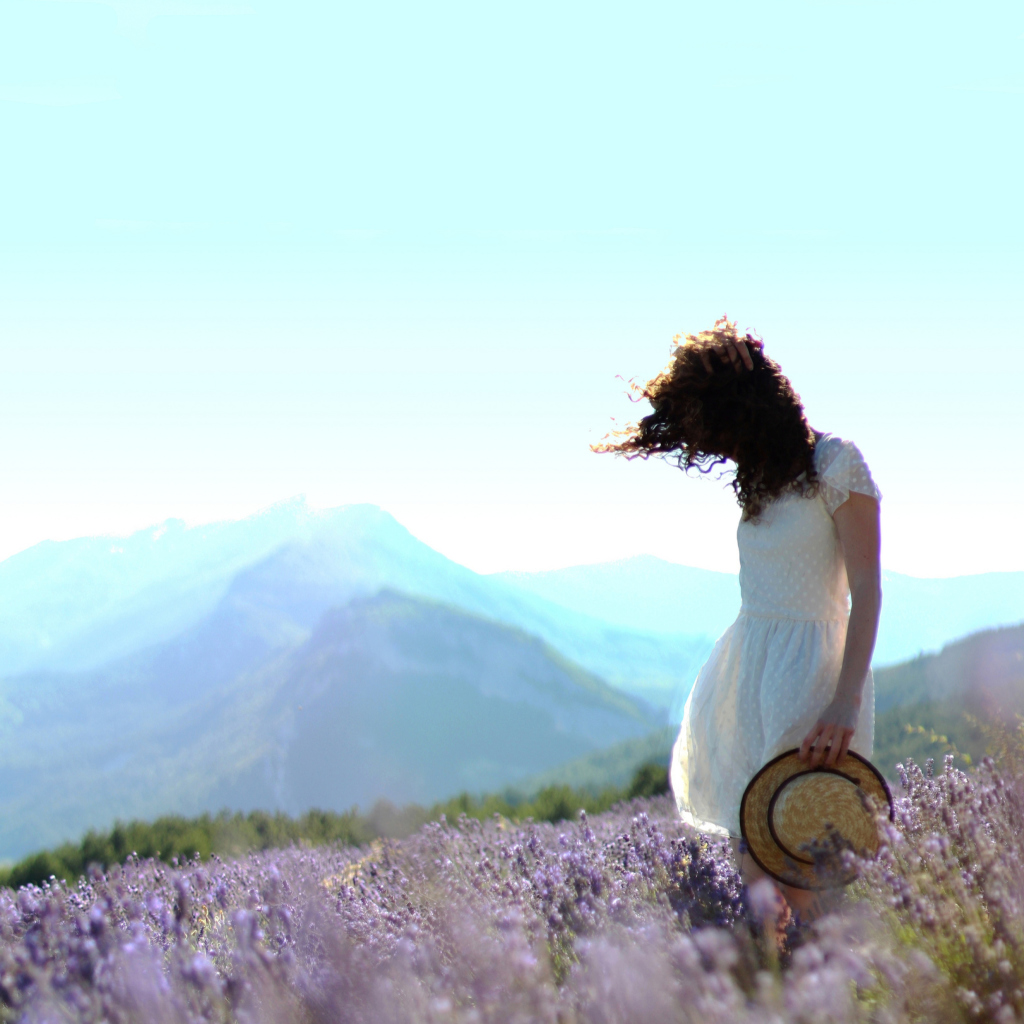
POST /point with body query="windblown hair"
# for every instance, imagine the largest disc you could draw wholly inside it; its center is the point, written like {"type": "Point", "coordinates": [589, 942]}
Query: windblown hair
{"type": "Point", "coordinates": [701, 419]}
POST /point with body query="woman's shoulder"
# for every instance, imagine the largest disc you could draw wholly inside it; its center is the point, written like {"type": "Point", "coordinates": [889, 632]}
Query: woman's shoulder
{"type": "Point", "coordinates": [840, 464]}
{"type": "Point", "coordinates": [827, 448]}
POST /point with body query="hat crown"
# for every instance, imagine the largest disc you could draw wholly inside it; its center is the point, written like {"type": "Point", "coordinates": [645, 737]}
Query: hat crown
{"type": "Point", "coordinates": [807, 809]}
{"type": "Point", "coordinates": [789, 809]}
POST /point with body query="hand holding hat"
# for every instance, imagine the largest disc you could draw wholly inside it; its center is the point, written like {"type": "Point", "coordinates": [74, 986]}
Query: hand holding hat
{"type": "Point", "coordinates": [790, 811]}
{"type": "Point", "coordinates": [829, 740]}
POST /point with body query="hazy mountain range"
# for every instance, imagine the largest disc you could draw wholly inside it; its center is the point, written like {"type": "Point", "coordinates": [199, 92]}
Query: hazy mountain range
{"type": "Point", "coordinates": [300, 658]}
{"type": "Point", "coordinates": [75, 605]}
{"type": "Point", "coordinates": [647, 593]}
{"type": "Point", "coordinates": [388, 695]}
{"type": "Point", "coordinates": [641, 622]}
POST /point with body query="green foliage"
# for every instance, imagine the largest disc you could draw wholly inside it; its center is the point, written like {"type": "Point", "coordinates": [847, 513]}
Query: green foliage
{"type": "Point", "coordinates": [611, 766]}
{"type": "Point", "coordinates": [650, 780]}
{"type": "Point", "coordinates": [174, 837]}
{"type": "Point", "coordinates": [226, 834]}
{"type": "Point", "coordinates": [930, 728]}
{"type": "Point", "coordinates": [557, 802]}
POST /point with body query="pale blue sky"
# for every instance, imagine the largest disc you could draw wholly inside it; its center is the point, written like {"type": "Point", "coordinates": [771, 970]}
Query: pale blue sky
{"type": "Point", "coordinates": [399, 253]}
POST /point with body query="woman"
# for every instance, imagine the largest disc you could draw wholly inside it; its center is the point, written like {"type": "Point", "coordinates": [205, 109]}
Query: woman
{"type": "Point", "coordinates": [793, 670]}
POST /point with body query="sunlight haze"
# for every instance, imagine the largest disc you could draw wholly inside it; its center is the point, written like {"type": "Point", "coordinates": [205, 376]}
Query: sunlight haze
{"type": "Point", "coordinates": [409, 256]}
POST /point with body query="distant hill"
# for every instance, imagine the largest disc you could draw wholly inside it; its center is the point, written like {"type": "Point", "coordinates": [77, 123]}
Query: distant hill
{"type": "Point", "coordinates": [642, 624]}
{"type": "Point", "coordinates": [361, 549]}
{"type": "Point", "coordinates": [945, 702]}
{"type": "Point", "coordinates": [649, 593]}
{"type": "Point", "coordinates": [394, 696]}
{"type": "Point", "coordinates": [76, 605]}
{"type": "Point", "coordinates": [922, 615]}
{"type": "Point", "coordinates": [612, 766]}
{"type": "Point", "coordinates": [164, 672]}
{"type": "Point", "coordinates": [389, 696]}
{"type": "Point", "coordinates": [984, 670]}
{"type": "Point", "coordinates": [72, 605]}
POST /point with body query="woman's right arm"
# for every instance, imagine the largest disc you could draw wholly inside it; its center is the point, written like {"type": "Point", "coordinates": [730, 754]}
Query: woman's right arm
{"type": "Point", "coordinates": [857, 522]}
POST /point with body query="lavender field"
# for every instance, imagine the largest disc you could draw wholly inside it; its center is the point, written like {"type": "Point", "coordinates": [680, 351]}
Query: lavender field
{"type": "Point", "coordinates": [627, 916]}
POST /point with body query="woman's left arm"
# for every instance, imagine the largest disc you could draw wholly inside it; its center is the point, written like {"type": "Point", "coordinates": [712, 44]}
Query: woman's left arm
{"type": "Point", "coordinates": [857, 522]}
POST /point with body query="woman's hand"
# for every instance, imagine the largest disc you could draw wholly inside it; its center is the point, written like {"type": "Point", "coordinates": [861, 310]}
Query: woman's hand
{"type": "Point", "coordinates": [829, 740]}
{"type": "Point", "coordinates": [728, 351]}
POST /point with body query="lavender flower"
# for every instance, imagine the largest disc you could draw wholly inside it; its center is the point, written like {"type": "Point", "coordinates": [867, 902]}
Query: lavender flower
{"type": "Point", "coordinates": [626, 916]}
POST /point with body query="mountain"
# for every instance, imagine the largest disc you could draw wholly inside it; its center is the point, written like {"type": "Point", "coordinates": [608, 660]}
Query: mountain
{"type": "Point", "coordinates": [642, 624]}
{"type": "Point", "coordinates": [361, 549]}
{"type": "Point", "coordinates": [309, 682]}
{"type": "Point", "coordinates": [983, 671]}
{"type": "Point", "coordinates": [72, 605]}
{"type": "Point", "coordinates": [76, 605]}
{"type": "Point", "coordinates": [648, 593]}
{"type": "Point", "coordinates": [399, 697]}
{"type": "Point", "coordinates": [388, 696]}
{"type": "Point", "coordinates": [920, 615]}
{"type": "Point", "coordinates": [961, 700]}
{"type": "Point", "coordinates": [164, 672]}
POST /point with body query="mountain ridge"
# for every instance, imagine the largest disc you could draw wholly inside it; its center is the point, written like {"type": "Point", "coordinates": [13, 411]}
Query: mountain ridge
{"type": "Point", "coordinates": [358, 549]}
{"type": "Point", "coordinates": [199, 723]}
{"type": "Point", "coordinates": [642, 623]}
{"type": "Point", "coordinates": [918, 614]}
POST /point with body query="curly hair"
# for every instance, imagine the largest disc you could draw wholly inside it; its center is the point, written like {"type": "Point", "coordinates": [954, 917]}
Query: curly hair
{"type": "Point", "coordinates": [701, 419]}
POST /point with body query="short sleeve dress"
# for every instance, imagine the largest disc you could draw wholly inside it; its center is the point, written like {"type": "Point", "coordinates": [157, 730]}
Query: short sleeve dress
{"type": "Point", "coordinates": [776, 667]}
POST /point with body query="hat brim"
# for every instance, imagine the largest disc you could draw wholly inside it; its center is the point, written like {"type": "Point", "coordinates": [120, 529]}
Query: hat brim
{"type": "Point", "coordinates": [795, 867]}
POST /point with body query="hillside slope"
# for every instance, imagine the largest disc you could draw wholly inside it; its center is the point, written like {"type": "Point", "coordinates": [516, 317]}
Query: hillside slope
{"type": "Point", "coordinates": [642, 624]}
{"type": "Point", "coordinates": [984, 671]}
{"type": "Point", "coordinates": [75, 606]}
{"type": "Point", "coordinates": [948, 702]}
{"type": "Point", "coordinates": [362, 550]}
{"type": "Point", "coordinates": [395, 696]}
{"type": "Point", "coordinates": [72, 605]}
{"type": "Point", "coordinates": [613, 766]}
{"type": "Point", "coordinates": [388, 696]}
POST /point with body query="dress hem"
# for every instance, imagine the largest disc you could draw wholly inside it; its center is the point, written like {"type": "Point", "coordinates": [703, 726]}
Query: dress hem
{"type": "Point", "coordinates": [705, 827]}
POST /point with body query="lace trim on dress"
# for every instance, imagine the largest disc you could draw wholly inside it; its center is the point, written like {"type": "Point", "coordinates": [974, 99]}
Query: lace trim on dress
{"type": "Point", "coordinates": [842, 469]}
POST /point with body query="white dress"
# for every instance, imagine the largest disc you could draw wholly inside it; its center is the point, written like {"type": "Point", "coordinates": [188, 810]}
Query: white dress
{"type": "Point", "coordinates": [776, 667]}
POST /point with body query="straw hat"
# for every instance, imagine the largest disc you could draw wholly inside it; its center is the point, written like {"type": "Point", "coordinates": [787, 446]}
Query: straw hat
{"type": "Point", "coordinates": [787, 806]}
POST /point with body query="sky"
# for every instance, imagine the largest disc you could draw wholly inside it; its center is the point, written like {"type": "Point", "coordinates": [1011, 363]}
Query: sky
{"type": "Point", "coordinates": [411, 254]}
